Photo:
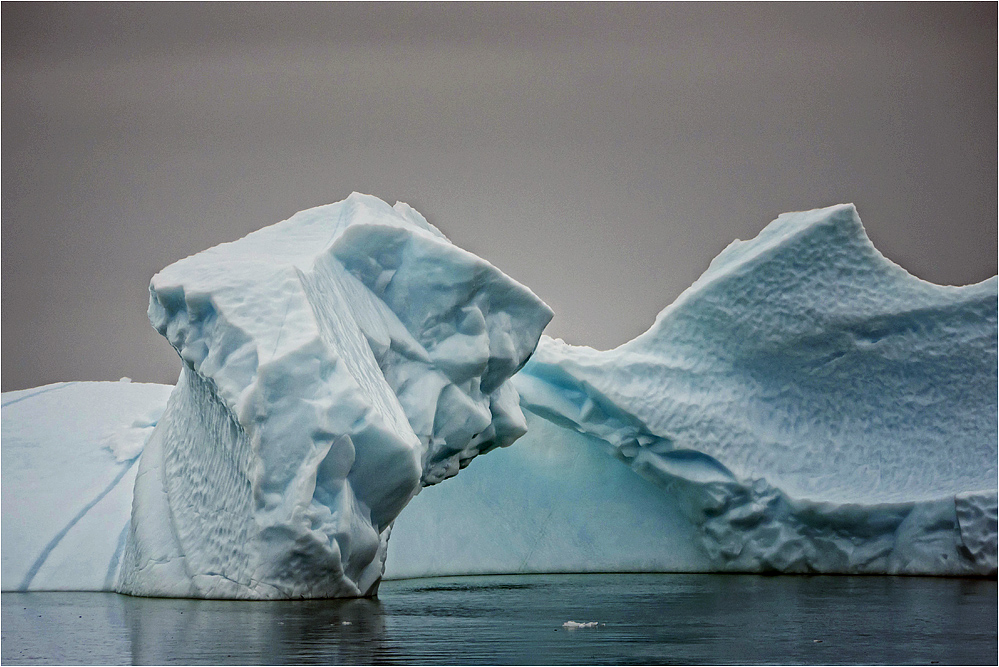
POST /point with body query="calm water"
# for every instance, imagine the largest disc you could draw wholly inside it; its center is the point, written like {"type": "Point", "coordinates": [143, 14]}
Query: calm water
{"type": "Point", "coordinates": [644, 619]}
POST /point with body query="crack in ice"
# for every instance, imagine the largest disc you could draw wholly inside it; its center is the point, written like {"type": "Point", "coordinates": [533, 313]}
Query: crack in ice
{"type": "Point", "coordinates": [54, 542]}
{"type": "Point", "coordinates": [40, 391]}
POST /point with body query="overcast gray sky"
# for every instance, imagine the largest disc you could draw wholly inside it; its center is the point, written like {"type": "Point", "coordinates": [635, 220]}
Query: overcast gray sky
{"type": "Point", "coordinates": [600, 154]}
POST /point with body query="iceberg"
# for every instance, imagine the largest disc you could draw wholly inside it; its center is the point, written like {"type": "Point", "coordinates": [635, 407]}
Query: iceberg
{"type": "Point", "coordinates": [805, 406]}
{"type": "Point", "coordinates": [334, 364]}
{"type": "Point", "coordinates": [555, 502]}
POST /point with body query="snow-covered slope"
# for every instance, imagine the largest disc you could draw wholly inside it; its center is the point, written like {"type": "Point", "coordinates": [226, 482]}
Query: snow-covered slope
{"type": "Point", "coordinates": [816, 407]}
{"type": "Point", "coordinates": [333, 364]}
{"type": "Point", "coordinates": [68, 461]}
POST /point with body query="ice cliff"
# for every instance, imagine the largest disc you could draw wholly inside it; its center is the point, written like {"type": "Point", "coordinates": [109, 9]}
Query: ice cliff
{"type": "Point", "coordinates": [334, 363]}
{"type": "Point", "coordinates": [805, 406]}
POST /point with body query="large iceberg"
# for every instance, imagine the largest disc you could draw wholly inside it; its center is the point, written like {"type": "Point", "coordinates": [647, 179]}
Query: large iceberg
{"type": "Point", "coordinates": [334, 364]}
{"type": "Point", "coordinates": [806, 406]}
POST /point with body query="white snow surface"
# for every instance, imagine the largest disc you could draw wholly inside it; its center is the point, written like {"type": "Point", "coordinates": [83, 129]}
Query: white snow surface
{"type": "Point", "coordinates": [68, 466]}
{"type": "Point", "coordinates": [333, 364]}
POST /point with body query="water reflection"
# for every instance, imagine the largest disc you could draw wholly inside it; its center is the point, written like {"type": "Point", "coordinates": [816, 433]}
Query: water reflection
{"type": "Point", "coordinates": [643, 619]}
{"type": "Point", "coordinates": [209, 632]}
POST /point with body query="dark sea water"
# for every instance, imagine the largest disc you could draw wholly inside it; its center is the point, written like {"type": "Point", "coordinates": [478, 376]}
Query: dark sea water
{"type": "Point", "coordinates": [643, 619]}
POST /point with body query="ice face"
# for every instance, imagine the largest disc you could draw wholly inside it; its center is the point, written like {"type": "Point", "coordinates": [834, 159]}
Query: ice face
{"type": "Point", "coordinates": [557, 501]}
{"type": "Point", "coordinates": [334, 363]}
{"type": "Point", "coordinates": [814, 406]}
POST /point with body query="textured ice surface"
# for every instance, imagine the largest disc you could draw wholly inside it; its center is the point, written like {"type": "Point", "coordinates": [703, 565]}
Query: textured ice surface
{"type": "Point", "coordinates": [333, 364]}
{"type": "Point", "coordinates": [68, 466]}
{"type": "Point", "coordinates": [806, 406]}
{"type": "Point", "coordinates": [813, 405]}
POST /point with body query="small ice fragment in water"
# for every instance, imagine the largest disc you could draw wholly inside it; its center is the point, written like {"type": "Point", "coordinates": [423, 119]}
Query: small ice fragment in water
{"type": "Point", "coordinates": [573, 625]}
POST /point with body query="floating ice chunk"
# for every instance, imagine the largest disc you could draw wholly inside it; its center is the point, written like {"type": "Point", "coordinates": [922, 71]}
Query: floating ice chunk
{"type": "Point", "coordinates": [334, 364]}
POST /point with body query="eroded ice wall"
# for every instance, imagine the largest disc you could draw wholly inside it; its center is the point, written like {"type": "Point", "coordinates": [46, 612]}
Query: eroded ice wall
{"type": "Point", "coordinates": [334, 364]}
{"type": "Point", "coordinates": [812, 405]}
